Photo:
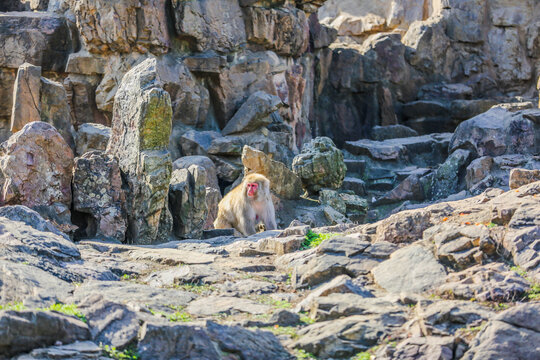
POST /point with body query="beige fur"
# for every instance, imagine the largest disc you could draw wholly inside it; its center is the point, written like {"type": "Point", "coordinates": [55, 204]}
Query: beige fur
{"type": "Point", "coordinates": [237, 210]}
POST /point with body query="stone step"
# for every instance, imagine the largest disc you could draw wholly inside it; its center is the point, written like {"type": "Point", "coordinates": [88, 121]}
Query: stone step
{"type": "Point", "coordinates": [355, 166]}
{"type": "Point", "coordinates": [358, 186]}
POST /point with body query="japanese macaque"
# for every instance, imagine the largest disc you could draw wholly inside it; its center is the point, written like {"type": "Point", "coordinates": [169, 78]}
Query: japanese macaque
{"type": "Point", "coordinates": [248, 207]}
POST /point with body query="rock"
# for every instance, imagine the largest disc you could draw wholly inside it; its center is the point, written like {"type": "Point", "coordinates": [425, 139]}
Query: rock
{"type": "Point", "coordinates": [39, 38]}
{"type": "Point", "coordinates": [26, 97]}
{"type": "Point", "coordinates": [31, 285]}
{"type": "Point", "coordinates": [197, 142]}
{"type": "Point", "coordinates": [92, 137]}
{"type": "Point", "coordinates": [491, 282]}
{"type": "Point", "coordinates": [30, 218]}
{"type": "Point", "coordinates": [334, 217]}
{"type": "Point", "coordinates": [283, 30]}
{"type": "Point", "coordinates": [77, 350]}
{"type": "Point", "coordinates": [283, 181]}
{"type": "Point", "coordinates": [426, 150]}
{"type": "Point", "coordinates": [138, 294]}
{"type": "Point", "coordinates": [36, 164]}
{"type": "Point", "coordinates": [253, 114]}
{"type": "Point", "coordinates": [342, 284]}
{"type": "Point", "coordinates": [520, 177]}
{"type": "Point", "coordinates": [513, 333]}
{"type": "Point", "coordinates": [225, 305]}
{"type": "Point", "coordinates": [116, 30]}
{"type": "Point", "coordinates": [210, 25]}
{"type": "Point", "coordinates": [281, 245]}
{"type": "Point", "coordinates": [446, 179]}
{"type": "Point", "coordinates": [411, 269]}
{"type": "Point", "coordinates": [406, 226]}
{"type": "Point", "coordinates": [380, 133]}
{"type": "Point", "coordinates": [445, 317]}
{"type": "Point", "coordinates": [335, 306]}
{"type": "Point", "coordinates": [110, 323]}
{"type": "Point", "coordinates": [213, 192]}
{"type": "Point", "coordinates": [357, 186]}
{"type": "Point", "coordinates": [497, 132]}
{"type": "Point", "coordinates": [140, 139]}
{"type": "Point", "coordinates": [413, 187]}
{"type": "Point", "coordinates": [82, 62]}
{"type": "Point", "coordinates": [98, 197]}
{"type": "Point", "coordinates": [320, 35]}
{"type": "Point", "coordinates": [207, 340]}
{"type": "Point", "coordinates": [187, 201]}
{"type": "Point", "coordinates": [429, 347]}
{"type": "Point", "coordinates": [82, 100]}
{"type": "Point", "coordinates": [320, 165]}
{"type": "Point", "coordinates": [23, 331]}
{"type": "Point", "coordinates": [246, 287]}
{"type": "Point", "coordinates": [55, 109]}
{"type": "Point", "coordinates": [347, 336]}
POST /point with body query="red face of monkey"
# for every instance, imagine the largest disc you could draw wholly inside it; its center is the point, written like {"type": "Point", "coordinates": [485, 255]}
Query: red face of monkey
{"type": "Point", "coordinates": [252, 189]}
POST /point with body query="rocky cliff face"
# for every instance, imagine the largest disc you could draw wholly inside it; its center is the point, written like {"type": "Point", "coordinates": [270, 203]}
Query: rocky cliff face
{"type": "Point", "coordinates": [401, 139]}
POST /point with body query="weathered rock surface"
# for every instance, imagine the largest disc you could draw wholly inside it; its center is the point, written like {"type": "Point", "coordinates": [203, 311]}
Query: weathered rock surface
{"type": "Point", "coordinates": [283, 181]}
{"type": "Point", "coordinates": [140, 139]}
{"type": "Point", "coordinates": [55, 109]}
{"type": "Point", "coordinates": [411, 269]}
{"type": "Point", "coordinates": [26, 97]}
{"type": "Point", "coordinates": [98, 197]}
{"type": "Point", "coordinates": [211, 25]}
{"type": "Point", "coordinates": [187, 201]}
{"type": "Point", "coordinates": [92, 137]}
{"type": "Point", "coordinates": [320, 165]}
{"type": "Point", "coordinates": [37, 164]}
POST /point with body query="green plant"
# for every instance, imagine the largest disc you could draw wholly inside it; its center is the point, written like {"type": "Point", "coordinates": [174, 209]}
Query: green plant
{"type": "Point", "coordinates": [491, 225]}
{"type": "Point", "coordinates": [17, 306]}
{"type": "Point", "coordinates": [306, 319]}
{"type": "Point", "coordinates": [68, 309]}
{"type": "Point", "coordinates": [534, 293]}
{"type": "Point", "coordinates": [519, 271]}
{"type": "Point", "coordinates": [177, 316]}
{"type": "Point", "coordinates": [362, 356]}
{"type": "Point", "coordinates": [282, 330]}
{"type": "Point", "coordinates": [312, 239]}
{"type": "Point", "coordinates": [130, 353]}
{"type": "Point", "coordinates": [278, 304]}
{"type": "Point", "coordinates": [302, 354]}
{"type": "Point", "coordinates": [196, 288]}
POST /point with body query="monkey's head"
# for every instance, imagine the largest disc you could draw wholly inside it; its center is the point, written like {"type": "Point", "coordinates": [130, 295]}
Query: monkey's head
{"type": "Point", "coordinates": [256, 187]}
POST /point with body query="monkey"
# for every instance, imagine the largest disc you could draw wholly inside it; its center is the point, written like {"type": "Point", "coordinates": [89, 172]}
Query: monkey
{"type": "Point", "coordinates": [247, 207]}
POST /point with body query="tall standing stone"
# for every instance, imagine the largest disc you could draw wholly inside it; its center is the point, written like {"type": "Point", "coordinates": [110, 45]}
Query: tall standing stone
{"type": "Point", "coordinates": [141, 128]}
{"type": "Point", "coordinates": [26, 97]}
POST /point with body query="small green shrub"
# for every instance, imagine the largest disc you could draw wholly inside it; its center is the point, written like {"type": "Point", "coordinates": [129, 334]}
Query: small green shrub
{"type": "Point", "coordinates": [17, 306]}
{"type": "Point", "coordinates": [68, 309]}
{"type": "Point", "coordinates": [302, 354]}
{"type": "Point", "coordinates": [129, 353]}
{"type": "Point", "coordinates": [312, 239]}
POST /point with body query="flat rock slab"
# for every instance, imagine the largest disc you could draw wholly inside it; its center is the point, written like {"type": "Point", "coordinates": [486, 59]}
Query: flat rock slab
{"type": "Point", "coordinates": [184, 274]}
{"type": "Point", "coordinates": [126, 292]}
{"type": "Point", "coordinates": [246, 287]}
{"type": "Point", "coordinates": [412, 269]}
{"type": "Point", "coordinates": [225, 305]}
{"type": "Point", "coordinates": [171, 257]}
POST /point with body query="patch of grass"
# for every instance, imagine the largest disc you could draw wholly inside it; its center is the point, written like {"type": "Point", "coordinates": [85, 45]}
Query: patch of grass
{"type": "Point", "coordinates": [68, 309]}
{"type": "Point", "coordinates": [129, 353]}
{"type": "Point", "coordinates": [312, 239]}
{"type": "Point", "coordinates": [302, 354]}
{"type": "Point", "coordinates": [519, 271]}
{"type": "Point", "coordinates": [277, 304]}
{"type": "Point", "coordinates": [196, 288]}
{"type": "Point", "coordinates": [491, 225]}
{"type": "Point", "coordinates": [17, 306]}
{"type": "Point", "coordinates": [362, 356]}
{"type": "Point", "coordinates": [282, 330]}
{"type": "Point", "coordinates": [177, 316]}
{"type": "Point", "coordinates": [306, 319]}
{"type": "Point", "coordinates": [534, 293]}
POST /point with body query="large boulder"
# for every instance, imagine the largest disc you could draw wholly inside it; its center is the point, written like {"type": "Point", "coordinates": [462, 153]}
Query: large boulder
{"type": "Point", "coordinates": [253, 114]}
{"type": "Point", "coordinates": [92, 137]}
{"type": "Point", "coordinates": [498, 132]}
{"type": "Point", "coordinates": [211, 24]}
{"type": "Point", "coordinates": [283, 30]}
{"type": "Point", "coordinates": [55, 109]}
{"type": "Point", "coordinates": [98, 197]}
{"type": "Point", "coordinates": [26, 97]}
{"type": "Point", "coordinates": [36, 164]}
{"type": "Point", "coordinates": [320, 165]}
{"type": "Point", "coordinates": [187, 201]}
{"type": "Point", "coordinates": [283, 181]}
{"type": "Point", "coordinates": [122, 26]}
{"type": "Point", "coordinates": [39, 38]}
{"type": "Point", "coordinates": [140, 138]}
